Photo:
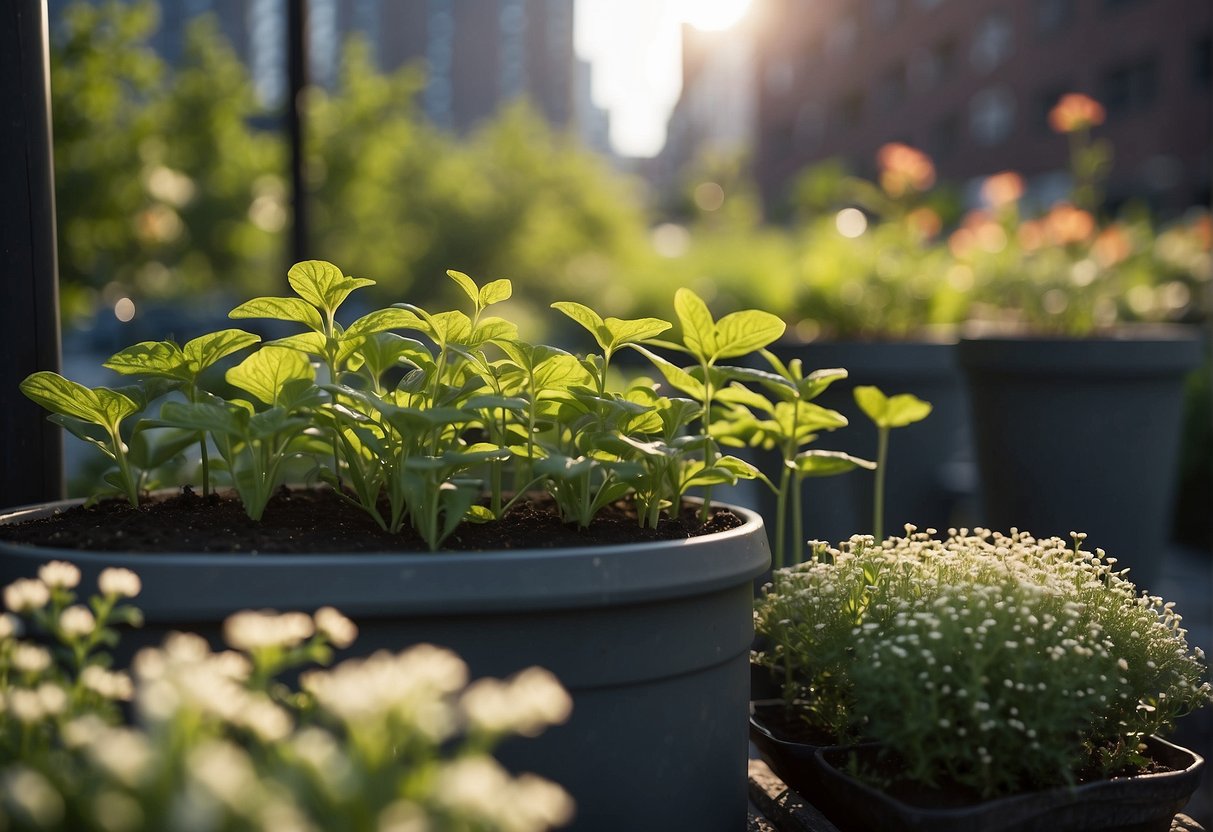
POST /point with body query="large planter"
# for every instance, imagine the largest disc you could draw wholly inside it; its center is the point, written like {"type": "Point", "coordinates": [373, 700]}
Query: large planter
{"type": "Point", "coordinates": [1141, 803]}
{"type": "Point", "coordinates": [927, 480]}
{"type": "Point", "coordinates": [1082, 435]}
{"type": "Point", "coordinates": [652, 641]}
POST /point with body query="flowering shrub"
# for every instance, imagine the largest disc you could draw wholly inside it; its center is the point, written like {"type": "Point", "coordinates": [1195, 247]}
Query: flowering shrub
{"type": "Point", "coordinates": [391, 742]}
{"type": "Point", "coordinates": [999, 663]}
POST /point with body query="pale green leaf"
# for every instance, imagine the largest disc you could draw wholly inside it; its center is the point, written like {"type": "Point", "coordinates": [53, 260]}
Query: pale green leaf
{"type": "Point", "coordinates": [906, 409]}
{"type": "Point", "coordinates": [627, 331]}
{"type": "Point", "coordinates": [280, 309]}
{"type": "Point", "coordinates": [205, 350]}
{"type": "Point", "coordinates": [816, 463]}
{"type": "Point", "coordinates": [495, 291]}
{"type": "Point", "coordinates": [311, 343]}
{"type": "Point", "coordinates": [741, 333]}
{"type": "Point", "coordinates": [466, 284]}
{"type": "Point", "coordinates": [57, 394]}
{"type": "Point", "coordinates": [698, 327]}
{"type": "Point", "coordinates": [587, 317]}
{"type": "Point", "coordinates": [158, 358]}
{"type": "Point", "coordinates": [676, 376]}
{"type": "Point", "coordinates": [382, 320]}
{"type": "Point", "coordinates": [264, 373]}
{"type": "Point", "coordinates": [210, 417]}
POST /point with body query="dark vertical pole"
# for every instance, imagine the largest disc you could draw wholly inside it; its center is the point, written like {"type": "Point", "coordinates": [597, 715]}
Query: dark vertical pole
{"type": "Point", "coordinates": [31, 449]}
{"type": "Point", "coordinates": [296, 113]}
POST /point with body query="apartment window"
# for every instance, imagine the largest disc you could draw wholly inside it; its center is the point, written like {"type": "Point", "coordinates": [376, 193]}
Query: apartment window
{"type": "Point", "coordinates": [849, 111]}
{"type": "Point", "coordinates": [885, 12]}
{"type": "Point", "coordinates": [992, 115]}
{"type": "Point", "coordinates": [891, 88]}
{"type": "Point", "coordinates": [1130, 87]}
{"type": "Point", "coordinates": [1054, 16]}
{"type": "Point", "coordinates": [993, 42]}
{"type": "Point", "coordinates": [944, 136]}
{"type": "Point", "coordinates": [843, 37]}
{"type": "Point", "coordinates": [1202, 63]}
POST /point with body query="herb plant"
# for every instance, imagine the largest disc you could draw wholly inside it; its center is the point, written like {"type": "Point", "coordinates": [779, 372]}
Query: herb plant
{"type": "Point", "coordinates": [438, 418]}
{"type": "Point", "coordinates": [886, 413]}
{"type": "Point", "coordinates": [999, 663]}
{"type": "Point", "coordinates": [391, 741]}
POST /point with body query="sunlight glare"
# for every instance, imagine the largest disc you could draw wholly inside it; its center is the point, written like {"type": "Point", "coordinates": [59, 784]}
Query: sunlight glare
{"type": "Point", "coordinates": [713, 15]}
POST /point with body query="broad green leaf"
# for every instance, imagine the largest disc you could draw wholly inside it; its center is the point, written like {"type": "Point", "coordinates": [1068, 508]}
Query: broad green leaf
{"type": "Point", "coordinates": [150, 449]}
{"type": "Point", "coordinates": [466, 284]}
{"type": "Point", "coordinates": [311, 343]}
{"type": "Point", "coordinates": [298, 393]}
{"type": "Point", "coordinates": [280, 309]}
{"type": "Point", "coordinates": [558, 372]}
{"type": "Point", "coordinates": [740, 333]}
{"type": "Point", "coordinates": [490, 329]}
{"type": "Point", "coordinates": [383, 350]}
{"type": "Point", "coordinates": [160, 358]}
{"type": "Point", "coordinates": [322, 284]}
{"type": "Point", "coordinates": [264, 372]}
{"type": "Point", "coordinates": [676, 376]}
{"type": "Point", "coordinates": [204, 416]}
{"type": "Point", "coordinates": [205, 350]}
{"type": "Point", "coordinates": [382, 320]}
{"type": "Point", "coordinates": [495, 291]}
{"type": "Point", "coordinates": [812, 385]}
{"type": "Point", "coordinates": [564, 468]}
{"type": "Point", "coordinates": [587, 317]}
{"type": "Point", "coordinates": [148, 390]}
{"type": "Point", "coordinates": [890, 412]}
{"type": "Point", "coordinates": [739, 395]}
{"type": "Point", "coordinates": [57, 394]}
{"type": "Point", "coordinates": [739, 468]}
{"type": "Point", "coordinates": [630, 330]}
{"type": "Point", "coordinates": [89, 431]}
{"type": "Point", "coordinates": [698, 327]}
{"type": "Point", "coordinates": [276, 420]}
{"type": "Point", "coordinates": [816, 463]}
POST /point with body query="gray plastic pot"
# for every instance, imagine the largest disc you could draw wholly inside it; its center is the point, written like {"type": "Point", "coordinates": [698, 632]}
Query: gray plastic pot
{"type": "Point", "coordinates": [1083, 435]}
{"type": "Point", "coordinates": [652, 640]}
{"type": "Point", "coordinates": [1142, 803]}
{"type": "Point", "coordinates": [929, 461]}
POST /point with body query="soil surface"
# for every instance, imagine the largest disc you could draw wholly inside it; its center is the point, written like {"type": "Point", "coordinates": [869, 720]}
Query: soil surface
{"type": "Point", "coordinates": [318, 521]}
{"type": "Point", "coordinates": [788, 725]}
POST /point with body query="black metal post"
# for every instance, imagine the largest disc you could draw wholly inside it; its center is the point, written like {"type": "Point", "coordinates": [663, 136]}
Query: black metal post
{"type": "Point", "coordinates": [296, 112]}
{"type": "Point", "coordinates": [31, 449]}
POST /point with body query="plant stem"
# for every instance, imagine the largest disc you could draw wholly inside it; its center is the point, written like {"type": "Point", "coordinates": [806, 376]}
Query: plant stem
{"type": "Point", "coordinates": [882, 453]}
{"type": "Point", "coordinates": [797, 518]}
{"type": "Point", "coordinates": [781, 517]}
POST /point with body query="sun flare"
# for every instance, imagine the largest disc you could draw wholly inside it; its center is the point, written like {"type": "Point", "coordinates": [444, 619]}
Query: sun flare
{"type": "Point", "coordinates": [712, 15]}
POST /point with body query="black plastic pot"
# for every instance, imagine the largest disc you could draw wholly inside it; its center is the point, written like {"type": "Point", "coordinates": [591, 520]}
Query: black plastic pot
{"type": "Point", "coordinates": [1142, 803]}
{"type": "Point", "coordinates": [652, 640]}
{"type": "Point", "coordinates": [929, 462]}
{"type": "Point", "coordinates": [1082, 435]}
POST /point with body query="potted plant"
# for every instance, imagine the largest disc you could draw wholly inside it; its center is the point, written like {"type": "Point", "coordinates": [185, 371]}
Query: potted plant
{"type": "Point", "coordinates": [393, 741]}
{"type": "Point", "coordinates": [451, 442]}
{"type": "Point", "coordinates": [875, 292]}
{"type": "Point", "coordinates": [1002, 683]}
{"type": "Point", "coordinates": [1075, 362]}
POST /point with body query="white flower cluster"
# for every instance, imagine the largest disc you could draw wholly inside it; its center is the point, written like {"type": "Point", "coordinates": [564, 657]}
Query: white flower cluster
{"type": "Point", "coordinates": [1032, 654]}
{"type": "Point", "coordinates": [397, 741]}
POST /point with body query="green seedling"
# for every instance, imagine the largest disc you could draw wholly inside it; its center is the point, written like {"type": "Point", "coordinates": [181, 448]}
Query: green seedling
{"type": "Point", "coordinates": [709, 341]}
{"type": "Point", "coordinates": [182, 368]}
{"type": "Point", "coordinates": [92, 414]}
{"type": "Point", "coordinates": [787, 422]}
{"type": "Point", "coordinates": [887, 412]}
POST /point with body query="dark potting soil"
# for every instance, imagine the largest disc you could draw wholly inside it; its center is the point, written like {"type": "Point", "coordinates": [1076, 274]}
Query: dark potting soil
{"type": "Point", "coordinates": [316, 521]}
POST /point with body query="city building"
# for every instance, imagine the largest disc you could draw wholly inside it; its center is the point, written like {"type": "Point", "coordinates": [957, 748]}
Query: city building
{"type": "Point", "coordinates": [971, 81]}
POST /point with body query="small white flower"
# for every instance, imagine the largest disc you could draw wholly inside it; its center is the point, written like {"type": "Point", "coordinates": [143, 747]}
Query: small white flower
{"type": "Point", "coordinates": [25, 594]}
{"type": "Point", "coordinates": [59, 574]}
{"type": "Point", "coordinates": [250, 630]}
{"type": "Point", "coordinates": [338, 629]}
{"type": "Point", "coordinates": [30, 658]}
{"type": "Point", "coordinates": [77, 621]}
{"type": "Point", "coordinates": [10, 626]}
{"type": "Point", "coordinates": [116, 582]}
{"type": "Point", "coordinates": [108, 683]}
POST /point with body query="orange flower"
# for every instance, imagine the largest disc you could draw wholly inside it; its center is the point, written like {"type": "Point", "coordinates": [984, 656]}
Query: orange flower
{"type": "Point", "coordinates": [1075, 111]}
{"type": "Point", "coordinates": [1067, 224]}
{"type": "Point", "coordinates": [1002, 189]}
{"type": "Point", "coordinates": [924, 222]}
{"type": "Point", "coordinates": [1031, 235]}
{"type": "Point", "coordinates": [1111, 246]}
{"type": "Point", "coordinates": [1202, 229]}
{"type": "Point", "coordinates": [904, 169]}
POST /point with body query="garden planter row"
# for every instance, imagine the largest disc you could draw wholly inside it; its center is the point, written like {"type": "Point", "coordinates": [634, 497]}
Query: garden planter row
{"type": "Point", "coordinates": [1066, 434]}
{"type": "Point", "coordinates": [821, 775]}
{"type": "Point", "coordinates": [651, 640]}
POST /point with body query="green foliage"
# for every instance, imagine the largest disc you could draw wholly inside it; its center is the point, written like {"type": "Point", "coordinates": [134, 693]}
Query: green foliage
{"type": "Point", "coordinates": [886, 412]}
{"type": "Point", "coordinates": [217, 740]}
{"type": "Point", "coordinates": [998, 663]}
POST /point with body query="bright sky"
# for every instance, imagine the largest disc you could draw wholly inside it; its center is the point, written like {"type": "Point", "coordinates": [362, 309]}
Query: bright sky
{"type": "Point", "coordinates": [636, 51]}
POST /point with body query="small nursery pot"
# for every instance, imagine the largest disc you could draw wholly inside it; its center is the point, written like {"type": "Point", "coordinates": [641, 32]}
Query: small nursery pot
{"type": "Point", "coordinates": [652, 641]}
{"type": "Point", "coordinates": [1141, 803]}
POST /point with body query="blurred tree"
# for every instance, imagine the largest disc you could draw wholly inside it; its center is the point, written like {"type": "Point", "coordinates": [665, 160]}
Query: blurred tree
{"type": "Point", "coordinates": [104, 78]}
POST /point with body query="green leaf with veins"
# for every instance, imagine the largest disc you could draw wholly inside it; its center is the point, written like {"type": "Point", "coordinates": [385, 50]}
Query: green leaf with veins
{"type": "Point", "coordinates": [280, 309]}
{"type": "Point", "coordinates": [264, 373]}
{"type": "Point", "coordinates": [322, 284]}
{"type": "Point", "coordinates": [816, 463]}
{"type": "Point", "coordinates": [99, 405]}
{"type": "Point", "coordinates": [891, 411]}
{"type": "Point", "coordinates": [205, 350]}
{"type": "Point", "coordinates": [612, 333]}
{"type": "Point", "coordinates": [159, 358]}
{"type": "Point", "coordinates": [736, 334]}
